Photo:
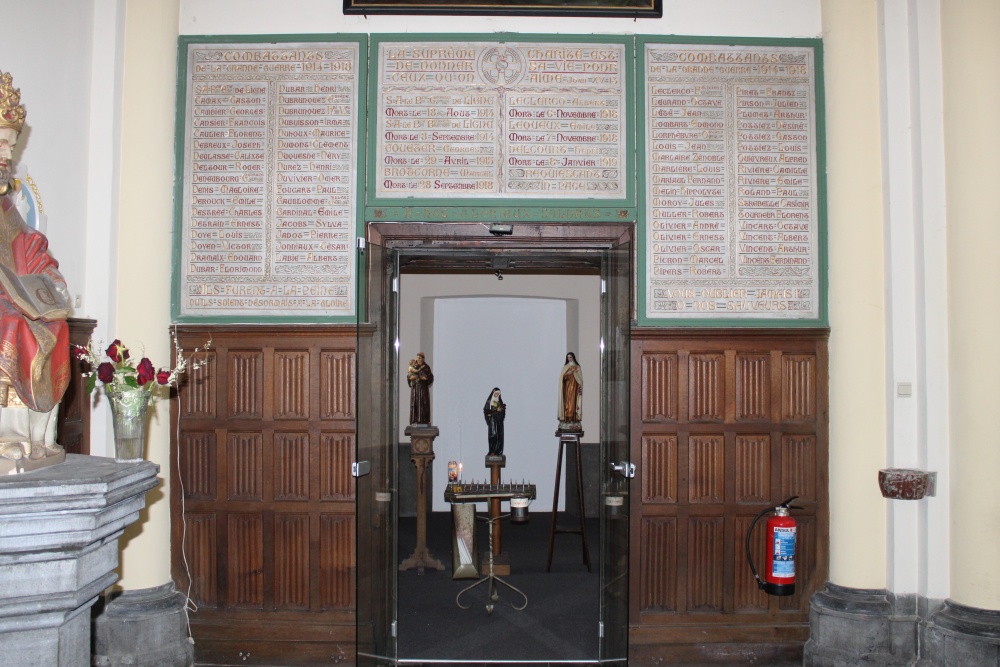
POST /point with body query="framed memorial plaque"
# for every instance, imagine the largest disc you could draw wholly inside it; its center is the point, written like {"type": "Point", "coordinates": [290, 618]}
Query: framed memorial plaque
{"type": "Point", "coordinates": [627, 8]}
{"type": "Point", "coordinates": [480, 122]}
{"type": "Point", "coordinates": [733, 191]}
{"type": "Point", "coordinates": [267, 190]}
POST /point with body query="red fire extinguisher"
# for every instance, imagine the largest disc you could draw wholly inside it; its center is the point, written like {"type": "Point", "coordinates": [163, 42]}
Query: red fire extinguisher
{"type": "Point", "coordinates": [779, 575]}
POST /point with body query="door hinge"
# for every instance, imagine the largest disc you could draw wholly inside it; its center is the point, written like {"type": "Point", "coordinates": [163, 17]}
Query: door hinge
{"type": "Point", "coordinates": [361, 468]}
{"type": "Point", "coordinates": [395, 285]}
{"type": "Point", "coordinates": [394, 628]}
{"type": "Point", "coordinates": [604, 286]}
{"type": "Point", "coordinates": [600, 629]}
{"type": "Point", "coordinates": [361, 243]}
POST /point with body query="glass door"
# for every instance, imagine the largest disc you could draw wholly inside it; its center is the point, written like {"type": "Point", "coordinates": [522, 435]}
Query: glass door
{"type": "Point", "coordinates": [616, 467]}
{"type": "Point", "coordinates": [375, 459]}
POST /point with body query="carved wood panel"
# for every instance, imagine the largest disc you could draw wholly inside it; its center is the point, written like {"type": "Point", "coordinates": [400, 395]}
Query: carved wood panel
{"type": "Point", "coordinates": [267, 520]}
{"type": "Point", "coordinates": [750, 430]}
{"type": "Point", "coordinates": [73, 418]}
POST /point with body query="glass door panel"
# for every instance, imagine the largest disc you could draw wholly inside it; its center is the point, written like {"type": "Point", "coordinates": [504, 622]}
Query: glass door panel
{"type": "Point", "coordinates": [375, 458]}
{"type": "Point", "coordinates": [616, 468]}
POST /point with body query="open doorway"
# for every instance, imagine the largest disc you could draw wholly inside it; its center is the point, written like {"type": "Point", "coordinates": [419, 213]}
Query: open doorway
{"type": "Point", "coordinates": [478, 332]}
{"type": "Point", "coordinates": [457, 249]}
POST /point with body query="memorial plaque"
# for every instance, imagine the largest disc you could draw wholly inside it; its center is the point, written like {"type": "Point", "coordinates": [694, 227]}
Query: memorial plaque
{"type": "Point", "coordinates": [733, 224]}
{"type": "Point", "coordinates": [269, 186]}
{"type": "Point", "coordinates": [510, 121]}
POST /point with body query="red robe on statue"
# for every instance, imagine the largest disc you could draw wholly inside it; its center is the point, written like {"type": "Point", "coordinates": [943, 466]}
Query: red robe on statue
{"type": "Point", "coordinates": [34, 354]}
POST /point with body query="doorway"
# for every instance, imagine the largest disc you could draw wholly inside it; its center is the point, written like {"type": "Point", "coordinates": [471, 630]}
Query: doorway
{"type": "Point", "coordinates": [395, 623]}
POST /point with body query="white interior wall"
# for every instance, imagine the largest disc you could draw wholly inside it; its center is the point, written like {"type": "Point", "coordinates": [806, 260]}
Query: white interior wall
{"type": "Point", "coordinates": [517, 344]}
{"type": "Point", "coordinates": [47, 49]}
{"type": "Point", "coordinates": [756, 18]}
{"type": "Point", "coordinates": [421, 329]}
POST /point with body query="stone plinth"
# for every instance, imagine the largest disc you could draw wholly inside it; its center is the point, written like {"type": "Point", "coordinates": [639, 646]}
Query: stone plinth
{"type": "Point", "coordinates": [59, 530]}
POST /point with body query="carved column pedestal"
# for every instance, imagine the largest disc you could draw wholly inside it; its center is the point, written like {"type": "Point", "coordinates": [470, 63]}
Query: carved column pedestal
{"type": "Point", "coordinates": [59, 551]}
{"type": "Point", "coordinates": [422, 454]}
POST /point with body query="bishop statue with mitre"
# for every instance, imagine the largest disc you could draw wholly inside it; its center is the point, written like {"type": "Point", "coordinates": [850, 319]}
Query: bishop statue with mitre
{"type": "Point", "coordinates": [34, 305]}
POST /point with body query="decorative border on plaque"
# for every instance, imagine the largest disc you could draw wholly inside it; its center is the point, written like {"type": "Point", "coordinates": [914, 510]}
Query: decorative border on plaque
{"type": "Point", "coordinates": [269, 156]}
{"type": "Point", "coordinates": [483, 122]}
{"type": "Point", "coordinates": [734, 193]}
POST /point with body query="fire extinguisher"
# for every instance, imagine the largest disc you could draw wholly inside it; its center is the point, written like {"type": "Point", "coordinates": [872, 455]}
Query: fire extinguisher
{"type": "Point", "coordinates": [779, 575]}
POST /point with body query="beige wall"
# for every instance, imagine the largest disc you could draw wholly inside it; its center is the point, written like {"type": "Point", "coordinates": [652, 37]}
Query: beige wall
{"type": "Point", "coordinates": [857, 294]}
{"type": "Point", "coordinates": [971, 52]}
{"type": "Point", "coordinates": [144, 251]}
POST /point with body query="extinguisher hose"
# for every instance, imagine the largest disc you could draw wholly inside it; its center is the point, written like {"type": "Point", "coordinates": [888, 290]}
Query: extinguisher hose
{"type": "Point", "coordinates": [760, 584]}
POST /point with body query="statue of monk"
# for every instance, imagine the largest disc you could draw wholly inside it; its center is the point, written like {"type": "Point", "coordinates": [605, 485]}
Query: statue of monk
{"type": "Point", "coordinates": [34, 304]}
{"type": "Point", "coordinates": [420, 378]}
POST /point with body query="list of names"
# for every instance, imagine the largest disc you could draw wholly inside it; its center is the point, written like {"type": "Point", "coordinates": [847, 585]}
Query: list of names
{"type": "Point", "coordinates": [479, 120]}
{"type": "Point", "coordinates": [270, 180]}
{"type": "Point", "coordinates": [731, 206]}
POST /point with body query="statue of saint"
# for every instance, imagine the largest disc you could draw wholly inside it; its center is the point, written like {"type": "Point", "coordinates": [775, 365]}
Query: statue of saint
{"type": "Point", "coordinates": [420, 378]}
{"type": "Point", "coordinates": [494, 411]}
{"type": "Point", "coordinates": [34, 305]}
{"type": "Point", "coordinates": [570, 394]}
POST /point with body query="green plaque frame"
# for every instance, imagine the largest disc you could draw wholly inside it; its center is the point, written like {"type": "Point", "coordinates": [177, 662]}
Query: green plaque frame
{"type": "Point", "coordinates": [182, 127]}
{"type": "Point", "coordinates": [819, 168]}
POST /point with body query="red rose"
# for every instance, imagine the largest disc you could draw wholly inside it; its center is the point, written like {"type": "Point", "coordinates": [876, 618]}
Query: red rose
{"type": "Point", "coordinates": [117, 352]}
{"type": "Point", "coordinates": [163, 377]}
{"type": "Point", "coordinates": [79, 352]}
{"type": "Point", "coordinates": [145, 372]}
{"type": "Point", "coordinates": [106, 372]}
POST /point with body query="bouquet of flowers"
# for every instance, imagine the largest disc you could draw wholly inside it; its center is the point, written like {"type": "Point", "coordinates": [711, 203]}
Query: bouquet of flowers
{"type": "Point", "coordinates": [119, 373]}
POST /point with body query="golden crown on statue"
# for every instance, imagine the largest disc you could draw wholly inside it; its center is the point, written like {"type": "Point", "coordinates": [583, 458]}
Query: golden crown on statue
{"type": "Point", "coordinates": [11, 110]}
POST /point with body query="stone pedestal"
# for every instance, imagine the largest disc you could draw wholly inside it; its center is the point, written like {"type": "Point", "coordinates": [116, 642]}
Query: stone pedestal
{"type": "Point", "coordinates": [59, 530]}
{"type": "Point", "coordinates": [142, 628]}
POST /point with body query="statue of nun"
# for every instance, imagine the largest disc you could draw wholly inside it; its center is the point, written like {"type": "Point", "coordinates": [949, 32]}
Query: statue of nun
{"type": "Point", "coordinates": [494, 412]}
{"type": "Point", "coordinates": [570, 394]}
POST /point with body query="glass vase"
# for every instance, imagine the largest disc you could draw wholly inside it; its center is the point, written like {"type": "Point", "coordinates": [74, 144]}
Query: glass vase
{"type": "Point", "coordinates": [128, 415]}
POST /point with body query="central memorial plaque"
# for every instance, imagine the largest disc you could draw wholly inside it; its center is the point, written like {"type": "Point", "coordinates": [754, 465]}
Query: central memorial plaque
{"type": "Point", "coordinates": [507, 121]}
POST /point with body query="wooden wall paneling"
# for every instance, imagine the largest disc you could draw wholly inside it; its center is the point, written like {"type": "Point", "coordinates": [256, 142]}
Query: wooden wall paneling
{"type": "Point", "coordinates": [291, 384]}
{"type": "Point", "coordinates": [245, 557]}
{"type": "Point", "coordinates": [337, 372]}
{"type": "Point", "coordinates": [266, 517]}
{"type": "Point", "coordinates": [750, 430]}
{"type": "Point", "coordinates": [73, 418]}
{"type": "Point", "coordinates": [798, 387]}
{"type": "Point", "coordinates": [706, 387]}
{"type": "Point", "coordinates": [753, 468]}
{"type": "Point", "coordinates": [200, 550]}
{"type": "Point", "coordinates": [753, 387]}
{"type": "Point", "coordinates": [291, 560]}
{"type": "Point", "coordinates": [338, 562]}
{"type": "Point", "coordinates": [659, 465]}
{"type": "Point", "coordinates": [198, 388]}
{"type": "Point", "coordinates": [659, 387]}
{"type": "Point", "coordinates": [291, 466]}
{"type": "Point", "coordinates": [245, 397]}
{"type": "Point", "coordinates": [658, 540]}
{"type": "Point", "coordinates": [198, 465]}
{"type": "Point", "coordinates": [706, 468]}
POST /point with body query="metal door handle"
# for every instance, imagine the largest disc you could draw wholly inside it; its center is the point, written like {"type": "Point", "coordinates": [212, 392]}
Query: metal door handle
{"type": "Point", "coordinates": [625, 469]}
